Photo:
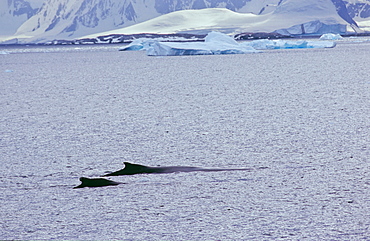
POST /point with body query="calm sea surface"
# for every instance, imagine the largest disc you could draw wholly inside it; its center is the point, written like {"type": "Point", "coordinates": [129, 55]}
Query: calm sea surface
{"type": "Point", "coordinates": [299, 119]}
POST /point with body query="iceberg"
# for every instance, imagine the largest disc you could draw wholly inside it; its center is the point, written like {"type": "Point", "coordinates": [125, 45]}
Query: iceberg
{"type": "Point", "coordinates": [331, 36]}
{"type": "Point", "coordinates": [215, 43]}
{"type": "Point", "coordinates": [219, 43]}
{"type": "Point", "coordinates": [264, 44]}
{"type": "Point", "coordinates": [138, 44]}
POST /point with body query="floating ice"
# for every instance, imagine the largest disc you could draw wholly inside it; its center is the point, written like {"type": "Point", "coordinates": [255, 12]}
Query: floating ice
{"type": "Point", "coordinates": [218, 43]}
{"type": "Point", "coordinates": [284, 44]}
{"type": "Point", "coordinates": [331, 36]}
{"type": "Point", "coordinates": [175, 49]}
{"type": "Point", "coordinates": [138, 44]}
{"type": "Point", "coordinates": [215, 43]}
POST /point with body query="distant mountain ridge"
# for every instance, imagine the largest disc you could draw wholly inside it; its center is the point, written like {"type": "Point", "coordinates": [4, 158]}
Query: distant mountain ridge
{"type": "Point", "coordinates": [70, 19]}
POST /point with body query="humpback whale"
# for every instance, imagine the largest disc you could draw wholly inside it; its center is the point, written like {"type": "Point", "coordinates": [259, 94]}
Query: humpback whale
{"type": "Point", "coordinates": [132, 169]}
{"type": "Point", "coordinates": [96, 182]}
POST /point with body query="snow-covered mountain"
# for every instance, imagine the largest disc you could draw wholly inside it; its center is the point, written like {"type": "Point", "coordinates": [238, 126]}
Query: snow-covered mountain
{"type": "Point", "coordinates": [223, 20]}
{"type": "Point", "coordinates": [359, 10]}
{"type": "Point", "coordinates": [71, 19]}
{"type": "Point", "coordinates": [13, 13]}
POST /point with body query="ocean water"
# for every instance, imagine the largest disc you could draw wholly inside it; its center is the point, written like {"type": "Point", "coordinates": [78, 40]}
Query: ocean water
{"type": "Point", "coordinates": [299, 119]}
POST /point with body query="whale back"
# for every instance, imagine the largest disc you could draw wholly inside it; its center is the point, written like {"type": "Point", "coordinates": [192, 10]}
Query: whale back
{"type": "Point", "coordinates": [131, 169]}
{"type": "Point", "coordinates": [95, 182]}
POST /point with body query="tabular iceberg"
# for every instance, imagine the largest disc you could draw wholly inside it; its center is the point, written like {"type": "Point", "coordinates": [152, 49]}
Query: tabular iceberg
{"type": "Point", "coordinates": [219, 43]}
{"type": "Point", "coordinates": [284, 44]}
{"type": "Point", "coordinates": [214, 43]}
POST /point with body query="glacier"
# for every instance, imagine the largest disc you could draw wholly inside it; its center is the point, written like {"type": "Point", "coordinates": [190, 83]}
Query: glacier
{"type": "Point", "coordinates": [216, 43]}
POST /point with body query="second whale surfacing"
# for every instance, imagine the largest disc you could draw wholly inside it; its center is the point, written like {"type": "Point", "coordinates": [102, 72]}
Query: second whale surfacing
{"type": "Point", "coordinates": [96, 182]}
{"type": "Point", "coordinates": [132, 169]}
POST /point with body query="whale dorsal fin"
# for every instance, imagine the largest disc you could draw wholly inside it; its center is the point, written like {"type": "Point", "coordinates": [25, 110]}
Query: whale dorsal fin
{"type": "Point", "coordinates": [132, 165]}
{"type": "Point", "coordinates": [131, 168]}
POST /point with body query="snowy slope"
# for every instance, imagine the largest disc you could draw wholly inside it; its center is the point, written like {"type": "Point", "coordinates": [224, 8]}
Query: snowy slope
{"type": "Point", "coordinates": [201, 21]}
{"type": "Point", "coordinates": [13, 13]}
{"type": "Point", "coordinates": [260, 7]}
{"type": "Point", "coordinates": [286, 15]}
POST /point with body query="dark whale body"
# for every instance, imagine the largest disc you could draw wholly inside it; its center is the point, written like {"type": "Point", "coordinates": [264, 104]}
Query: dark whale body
{"type": "Point", "coordinates": [132, 169]}
{"type": "Point", "coordinates": [96, 182]}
